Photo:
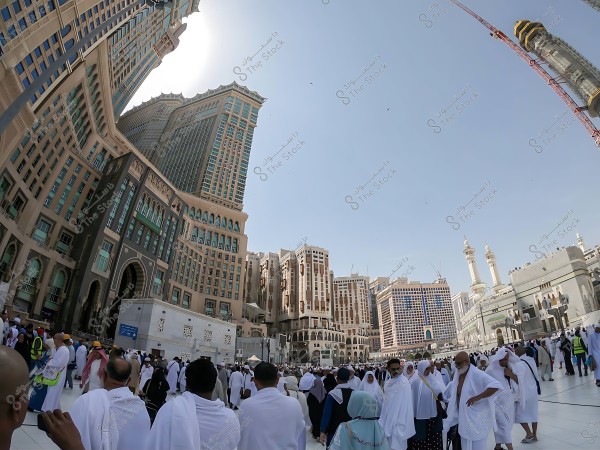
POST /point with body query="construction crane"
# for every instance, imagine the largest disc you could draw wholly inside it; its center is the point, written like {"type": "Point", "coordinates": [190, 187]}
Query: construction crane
{"type": "Point", "coordinates": [553, 82]}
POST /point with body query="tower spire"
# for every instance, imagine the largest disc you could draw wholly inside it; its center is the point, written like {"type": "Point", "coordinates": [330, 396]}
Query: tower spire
{"type": "Point", "coordinates": [477, 287]}
{"type": "Point", "coordinates": [580, 243]}
{"type": "Point", "coordinates": [491, 260]}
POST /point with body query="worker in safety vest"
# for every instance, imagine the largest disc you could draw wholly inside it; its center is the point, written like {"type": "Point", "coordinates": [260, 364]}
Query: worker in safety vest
{"type": "Point", "coordinates": [579, 350]}
{"type": "Point", "coordinates": [37, 350]}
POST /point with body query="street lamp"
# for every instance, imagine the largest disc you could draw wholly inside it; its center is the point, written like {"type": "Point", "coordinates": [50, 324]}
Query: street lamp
{"type": "Point", "coordinates": [264, 342]}
{"type": "Point", "coordinates": [482, 321]}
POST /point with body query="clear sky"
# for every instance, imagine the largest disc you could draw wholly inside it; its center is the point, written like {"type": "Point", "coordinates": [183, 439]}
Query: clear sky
{"type": "Point", "coordinates": [444, 110]}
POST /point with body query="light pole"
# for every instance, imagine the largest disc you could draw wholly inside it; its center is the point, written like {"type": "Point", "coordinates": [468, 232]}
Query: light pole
{"type": "Point", "coordinates": [482, 321]}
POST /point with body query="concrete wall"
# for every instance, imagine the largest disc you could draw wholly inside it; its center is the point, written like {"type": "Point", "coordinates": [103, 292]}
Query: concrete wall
{"type": "Point", "coordinates": [172, 331]}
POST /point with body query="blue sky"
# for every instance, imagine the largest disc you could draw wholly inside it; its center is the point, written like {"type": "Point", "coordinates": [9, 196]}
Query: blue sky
{"type": "Point", "coordinates": [420, 59]}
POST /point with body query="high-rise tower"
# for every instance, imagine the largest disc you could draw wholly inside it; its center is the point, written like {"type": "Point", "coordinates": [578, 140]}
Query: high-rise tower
{"type": "Point", "coordinates": [491, 260]}
{"type": "Point", "coordinates": [477, 287]}
{"type": "Point", "coordinates": [204, 148]}
{"type": "Point", "coordinates": [579, 73]}
{"type": "Point", "coordinates": [580, 243]}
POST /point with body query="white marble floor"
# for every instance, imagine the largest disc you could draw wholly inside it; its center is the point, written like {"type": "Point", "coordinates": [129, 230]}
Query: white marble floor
{"type": "Point", "coordinates": [569, 418]}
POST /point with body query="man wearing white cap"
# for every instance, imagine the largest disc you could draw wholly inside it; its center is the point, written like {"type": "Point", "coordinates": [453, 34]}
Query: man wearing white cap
{"type": "Point", "coordinates": [354, 381]}
{"type": "Point", "coordinates": [146, 372]}
{"type": "Point", "coordinates": [236, 383]}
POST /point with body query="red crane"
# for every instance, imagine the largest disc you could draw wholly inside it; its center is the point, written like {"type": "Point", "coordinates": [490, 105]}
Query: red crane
{"type": "Point", "coordinates": [535, 65]}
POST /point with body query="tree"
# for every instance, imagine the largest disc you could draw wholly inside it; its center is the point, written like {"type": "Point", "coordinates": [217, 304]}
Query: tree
{"type": "Point", "coordinates": [418, 356]}
{"type": "Point", "coordinates": [426, 355]}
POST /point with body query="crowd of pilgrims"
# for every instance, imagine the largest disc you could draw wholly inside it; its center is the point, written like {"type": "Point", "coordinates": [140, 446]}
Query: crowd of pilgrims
{"type": "Point", "coordinates": [398, 405]}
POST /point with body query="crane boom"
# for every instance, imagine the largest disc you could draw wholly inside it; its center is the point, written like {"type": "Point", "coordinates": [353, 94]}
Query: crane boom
{"type": "Point", "coordinates": [535, 65]}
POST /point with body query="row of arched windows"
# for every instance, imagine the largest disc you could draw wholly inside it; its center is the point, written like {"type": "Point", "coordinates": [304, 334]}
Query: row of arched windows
{"type": "Point", "coordinates": [150, 209]}
{"type": "Point", "coordinates": [226, 224]}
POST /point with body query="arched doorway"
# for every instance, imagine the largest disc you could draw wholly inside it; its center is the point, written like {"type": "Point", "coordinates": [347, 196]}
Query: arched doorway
{"type": "Point", "coordinates": [85, 322]}
{"type": "Point", "coordinates": [132, 283]}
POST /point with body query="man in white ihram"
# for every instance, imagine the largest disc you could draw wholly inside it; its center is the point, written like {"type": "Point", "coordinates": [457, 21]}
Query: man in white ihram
{"type": "Point", "coordinates": [397, 415]}
{"type": "Point", "coordinates": [173, 375]}
{"type": "Point", "coordinates": [105, 417]}
{"type": "Point", "coordinates": [193, 420]}
{"type": "Point", "coordinates": [236, 381]}
{"type": "Point", "coordinates": [146, 372]}
{"type": "Point", "coordinates": [507, 369]}
{"type": "Point", "coordinates": [469, 404]}
{"type": "Point", "coordinates": [527, 408]}
{"type": "Point", "coordinates": [58, 363]}
{"type": "Point", "coordinates": [269, 420]}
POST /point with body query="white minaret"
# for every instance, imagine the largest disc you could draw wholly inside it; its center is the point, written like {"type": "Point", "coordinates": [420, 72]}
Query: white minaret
{"type": "Point", "coordinates": [477, 287]}
{"type": "Point", "coordinates": [580, 243]}
{"type": "Point", "coordinates": [491, 260]}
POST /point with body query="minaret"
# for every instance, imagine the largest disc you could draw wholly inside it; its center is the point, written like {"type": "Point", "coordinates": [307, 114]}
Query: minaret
{"type": "Point", "coordinates": [580, 243]}
{"type": "Point", "coordinates": [477, 287]}
{"type": "Point", "coordinates": [491, 260]}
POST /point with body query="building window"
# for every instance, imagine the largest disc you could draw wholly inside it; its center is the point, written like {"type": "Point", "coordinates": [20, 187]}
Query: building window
{"type": "Point", "coordinates": [209, 308]}
{"type": "Point", "coordinates": [175, 296]}
{"type": "Point", "coordinates": [63, 245]}
{"type": "Point", "coordinates": [103, 258]}
{"type": "Point", "coordinates": [225, 308]}
{"type": "Point", "coordinates": [186, 300]}
{"type": "Point", "coordinates": [157, 284]}
{"type": "Point", "coordinates": [42, 231]}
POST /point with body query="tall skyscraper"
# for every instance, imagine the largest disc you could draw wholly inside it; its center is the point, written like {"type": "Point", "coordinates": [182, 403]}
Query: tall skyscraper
{"type": "Point", "coordinates": [270, 286]}
{"type": "Point", "coordinates": [146, 126]}
{"type": "Point", "coordinates": [351, 313]}
{"type": "Point", "coordinates": [58, 83]}
{"type": "Point", "coordinates": [413, 313]}
{"type": "Point", "coordinates": [204, 148]}
{"type": "Point", "coordinates": [578, 72]}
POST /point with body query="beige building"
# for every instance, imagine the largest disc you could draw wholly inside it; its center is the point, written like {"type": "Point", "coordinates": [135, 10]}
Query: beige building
{"type": "Point", "coordinates": [86, 219]}
{"type": "Point", "coordinates": [413, 315]}
{"type": "Point", "coordinates": [504, 314]}
{"type": "Point", "coordinates": [351, 313]}
{"type": "Point", "coordinates": [204, 146]}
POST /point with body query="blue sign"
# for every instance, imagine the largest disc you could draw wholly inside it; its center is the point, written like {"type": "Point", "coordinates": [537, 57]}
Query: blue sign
{"type": "Point", "coordinates": [128, 331]}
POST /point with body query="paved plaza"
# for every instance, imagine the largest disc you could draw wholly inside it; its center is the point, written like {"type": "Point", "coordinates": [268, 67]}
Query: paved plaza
{"type": "Point", "coordinates": [569, 418]}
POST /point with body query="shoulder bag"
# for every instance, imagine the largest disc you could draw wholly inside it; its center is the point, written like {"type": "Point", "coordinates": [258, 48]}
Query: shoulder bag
{"type": "Point", "coordinates": [537, 383]}
{"type": "Point", "coordinates": [49, 377]}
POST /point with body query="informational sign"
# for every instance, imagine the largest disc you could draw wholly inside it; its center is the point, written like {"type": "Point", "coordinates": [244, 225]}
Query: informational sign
{"type": "Point", "coordinates": [128, 331]}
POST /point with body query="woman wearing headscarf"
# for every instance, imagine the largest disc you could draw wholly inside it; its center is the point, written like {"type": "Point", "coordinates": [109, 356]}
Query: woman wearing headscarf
{"type": "Point", "coordinates": [22, 346]}
{"type": "Point", "coordinates": [315, 393]}
{"type": "Point", "coordinates": [363, 432]}
{"type": "Point", "coordinates": [369, 385]}
{"type": "Point", "coordinates": [428, 425]}
{"type": "Point", "coordinates": [91, 378]}
{"type": "Point", "coordinates": [154, 392]}
{"type": "Point", "coordinates": [291, 389]}
{"type": "Point", "coordinates": [409, 371]}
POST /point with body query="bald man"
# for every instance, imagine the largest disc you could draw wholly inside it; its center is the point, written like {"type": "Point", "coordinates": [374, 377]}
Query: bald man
{"type": "Point", "coordinates": [56, 371]}
{"type": "Point", "coordinates": [470, 404]}
{"type": "Point", "coordinates": [13, 394]}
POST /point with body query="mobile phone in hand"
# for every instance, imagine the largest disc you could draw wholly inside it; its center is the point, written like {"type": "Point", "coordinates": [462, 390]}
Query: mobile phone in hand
{"type": "Point", "coordinates": [41, 424]}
